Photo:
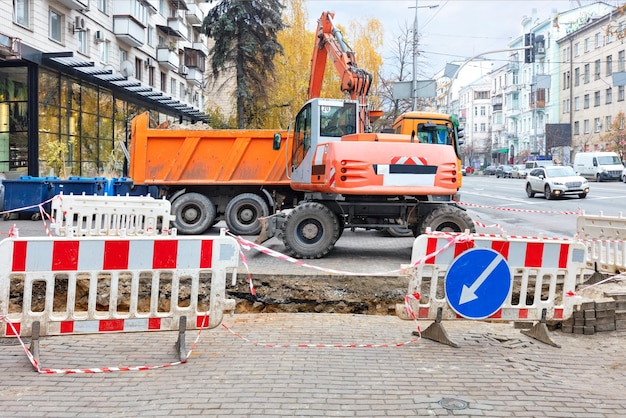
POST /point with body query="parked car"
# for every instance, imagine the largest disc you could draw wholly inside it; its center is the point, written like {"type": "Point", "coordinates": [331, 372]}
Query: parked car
{"type": "Point", "coordinates": [624, 175]}
{"type": "Point", "coordinates": [490, 170]}
{"type": "Point", "coordinates": [519, 171]}
{"type": "Point", "coordinates": [555, 181]}
{"type": "Point", "coordinates": [504, 171]}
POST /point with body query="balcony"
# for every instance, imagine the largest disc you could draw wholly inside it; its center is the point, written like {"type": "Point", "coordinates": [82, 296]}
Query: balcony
{"type": "Point", "coordinates": [75, 4]}
{"type": "Point", "coordinates": [202, 47]}
{"type": "Point", "coordinates": [129, 31]}
{"type": "Point", "coordinates": [168, 58]}
{"type": "Point", "coordinates": [175, 27]}
{"type": "Point", "coordinates": [194, 75]}
{"type": "Point", "coordinates": [194, 14]}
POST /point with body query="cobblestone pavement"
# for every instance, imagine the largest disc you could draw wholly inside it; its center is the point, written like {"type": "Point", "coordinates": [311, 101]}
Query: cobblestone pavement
{"type": "Point", "coordinates": [496, 371]}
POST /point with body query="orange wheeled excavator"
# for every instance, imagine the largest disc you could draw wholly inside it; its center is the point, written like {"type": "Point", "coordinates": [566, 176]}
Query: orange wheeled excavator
{"type": "Point", "coordinates": [352, 177]}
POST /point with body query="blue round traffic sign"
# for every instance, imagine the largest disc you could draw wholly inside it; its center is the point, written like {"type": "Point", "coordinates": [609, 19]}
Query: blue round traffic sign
{"type": "Point", "coordinates": [477, 283]}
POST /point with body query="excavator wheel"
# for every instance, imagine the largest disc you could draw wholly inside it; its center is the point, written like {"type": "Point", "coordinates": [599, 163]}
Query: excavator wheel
{"type": "Point", "coordinates": [398, 231]}
{"type": "Point", "coordinates": [310, 231]}
{"type": "Point", "coordinates": [447, 218]}
{"type": "Point", "coordinates": [243, 213]}
{"type": "Point", "coordinates": [194, 213]}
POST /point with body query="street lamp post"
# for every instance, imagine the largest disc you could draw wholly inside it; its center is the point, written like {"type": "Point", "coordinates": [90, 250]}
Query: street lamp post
{"type": "Point", "coordinates": [415, 40]}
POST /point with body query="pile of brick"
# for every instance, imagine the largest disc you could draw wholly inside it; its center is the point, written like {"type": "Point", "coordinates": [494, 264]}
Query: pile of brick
{"type": "Point", "coordinates": [607, 314]}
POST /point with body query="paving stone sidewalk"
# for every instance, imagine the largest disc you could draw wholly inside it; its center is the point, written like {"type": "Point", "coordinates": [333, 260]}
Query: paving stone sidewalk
{"type": "Point", "coordinates": [497, 371]}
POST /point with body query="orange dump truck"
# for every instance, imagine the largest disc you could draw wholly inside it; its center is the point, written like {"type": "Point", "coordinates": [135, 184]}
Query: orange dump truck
{"type": "Point", "coordinates": [212, 175]}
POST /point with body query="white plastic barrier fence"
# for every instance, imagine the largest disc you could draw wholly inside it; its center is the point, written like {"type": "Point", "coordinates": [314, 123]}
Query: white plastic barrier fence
{"type": "Point", "coordinates": [604, 237]}
{"type": "Point", "coordinates": [494, 277]}
{"type": "Point", "coordinates": [112, 284]}
{"type": "Point", "coordinates": [82, 215]}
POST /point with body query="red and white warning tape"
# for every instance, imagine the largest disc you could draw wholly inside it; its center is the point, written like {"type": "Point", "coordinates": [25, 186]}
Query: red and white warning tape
{"type": "Point", "coordinates": [92, 370]}
{"type": "Point", "coordinates": [473, 205]}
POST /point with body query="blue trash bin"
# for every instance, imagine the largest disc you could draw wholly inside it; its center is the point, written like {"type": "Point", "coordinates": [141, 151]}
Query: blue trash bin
{"type": "Point", "coordinates": [124, 186]}
{"type": "Point", "coordinates": [27, 192]}
{"type": "Point", "coordinates": [79, 185]}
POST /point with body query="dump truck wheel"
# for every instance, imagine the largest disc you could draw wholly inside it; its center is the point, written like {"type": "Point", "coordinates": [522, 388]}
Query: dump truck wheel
{"type": "Point", "coordinates": [310, 231]}
{"type": "Point", "coordinates": [448, 219]}
{"type": "Point", "coordinates": [243, 213]}
{"type": "Point", "coordinates": [194, 213]}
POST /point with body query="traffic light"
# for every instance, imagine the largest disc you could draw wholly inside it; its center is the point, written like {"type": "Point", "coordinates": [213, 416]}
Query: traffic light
{"type": "Point", "coordinates": [529, 53]}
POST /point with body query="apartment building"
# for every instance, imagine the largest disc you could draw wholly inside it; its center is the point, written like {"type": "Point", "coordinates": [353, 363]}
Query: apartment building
{"type": "Point", "coordinates": [475, 108]}
{"type": "Point", "coordinates": [593, 77]}
{"type": "Point", "coordinates": [530, 102]}
{"type": "Point", "coordinates": [73, 73]}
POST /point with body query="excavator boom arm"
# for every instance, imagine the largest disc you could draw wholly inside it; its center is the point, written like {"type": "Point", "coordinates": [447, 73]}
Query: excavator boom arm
{"type": "Point", "coordinates": [329, 42]}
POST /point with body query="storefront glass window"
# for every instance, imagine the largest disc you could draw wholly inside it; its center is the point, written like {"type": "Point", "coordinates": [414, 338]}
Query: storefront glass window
{"type": "Point", "coordinates": [13, 120]}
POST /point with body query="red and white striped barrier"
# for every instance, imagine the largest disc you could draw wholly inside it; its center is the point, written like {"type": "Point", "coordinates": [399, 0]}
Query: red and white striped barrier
{"type": "Point", "coordinates": [114, 284]}
{"type": "Point", "coordinates": [537, 284]}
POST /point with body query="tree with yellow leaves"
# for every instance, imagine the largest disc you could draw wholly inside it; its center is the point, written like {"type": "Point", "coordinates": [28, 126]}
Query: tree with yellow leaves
{"type": "Point", "coordinates": [616, 137]}
{"type": "Point", "coordinates": [293, 68]}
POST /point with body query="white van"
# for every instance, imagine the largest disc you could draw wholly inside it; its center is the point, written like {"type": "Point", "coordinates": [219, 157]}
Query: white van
{"type": "Point", "coordinates": [598, 166]}
{"type": "Point", "coordinates": [530, 165]}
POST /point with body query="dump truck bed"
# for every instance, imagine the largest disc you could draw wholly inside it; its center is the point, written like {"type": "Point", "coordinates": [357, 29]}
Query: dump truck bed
{"type": "Point", "coordinates": [204, 157]}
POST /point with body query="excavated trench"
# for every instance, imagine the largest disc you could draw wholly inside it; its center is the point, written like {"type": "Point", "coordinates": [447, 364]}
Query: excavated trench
{"type": "Point", "coordinates": [373, 295]}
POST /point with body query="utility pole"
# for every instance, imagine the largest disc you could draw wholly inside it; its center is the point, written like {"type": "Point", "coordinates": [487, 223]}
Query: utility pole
{"type": "Point", "coordinates": [415, 44]}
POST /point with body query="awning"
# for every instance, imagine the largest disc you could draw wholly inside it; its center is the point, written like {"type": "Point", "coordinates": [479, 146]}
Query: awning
{"type": "Point", "coordinates": [501, 151]}
{"type": "Point", "coordinates": [122, 86]}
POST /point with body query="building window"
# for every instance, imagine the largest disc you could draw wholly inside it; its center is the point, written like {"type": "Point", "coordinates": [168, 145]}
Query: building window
{"type": "Point", "coordinates": [163, 82]}
{"type": "Point", "coordinates": [172, 87]}
{"type": "Point", "coordinates": [576, 128]}
{"type": "Point", "coordinates": [620, 94]}
{"type": "Point", "coordinates": [83, 42]}
{"type": "Point", "coordinates": [104, 52]}
{"type": "Point", "coordinates": [150, 36]}
{"type": "Point", "coordinates": [475, 127]}
{"type": "Point", "coordinates": [151, 74]}
{"type": "Point", "coordinates": [609, 123]}
{"type": "Point", "coordinates": [609, 65]}
{"type": "Point", "coordinates": [598, 40]}
{"type": "Point", "coordinates": [586, 101]}
{"type": "Point", "coordinates": [621, 60]}
{"type": "Point", "coordinates": [587, 71]}
{"type": "Point", "coordinates": [21, 12]}
{"type": "Point", "coordinates": [609, 95]}
{"type": "Point", "coordinates": [56, 24]}
{"type": "Point", "coordinates": [181, 91]}
{"type": "Point", "coordinates": [576, 49]}
{"type": "Point", "coordinates": [102, 6]}
{"type": "Point", "coordinates": [577, 76]}
{"type": "Point", "coordinates": [138, 69]}
{"type": "Point", "coordinates": [483, 127]}
{"type": "Point", "coordinates": [597, 124]}
{"type": "Point", "coordinates": [586, 45]}
{"type": "Point", "coordinates": [597, 70]}
{"type": "Point", "coordinates": [576, 103]}
{"type": "Point", "coordinates": [596, 98]}
{"type": "Point", "coordinates": [483, 111]}
{"type": "Point", "coordinates": [586, 126]}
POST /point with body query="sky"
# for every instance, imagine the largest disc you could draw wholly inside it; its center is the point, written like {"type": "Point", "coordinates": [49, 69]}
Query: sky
{"type": "Point", "coordinates": [454, 31]}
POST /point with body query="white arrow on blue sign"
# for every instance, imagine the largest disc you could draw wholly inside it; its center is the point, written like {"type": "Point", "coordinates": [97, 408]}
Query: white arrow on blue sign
{"type": "Point", "coordinates": [478, 283]}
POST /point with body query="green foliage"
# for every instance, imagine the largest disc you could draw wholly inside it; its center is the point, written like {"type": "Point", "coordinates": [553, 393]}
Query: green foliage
{"type": "Point", "coordinates": [245, 34]}
{"type": "Point", "coordinates": [55, 154]}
